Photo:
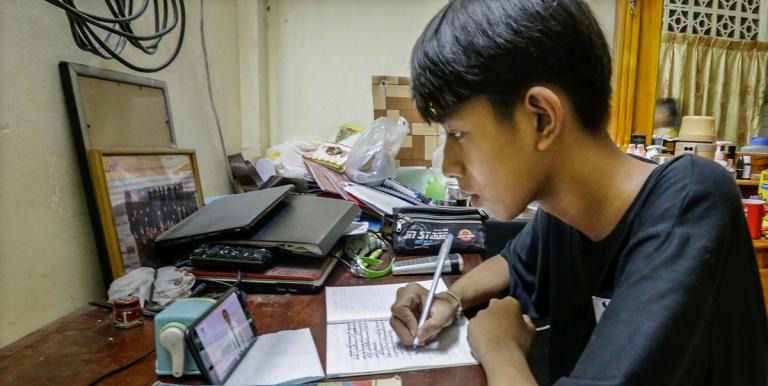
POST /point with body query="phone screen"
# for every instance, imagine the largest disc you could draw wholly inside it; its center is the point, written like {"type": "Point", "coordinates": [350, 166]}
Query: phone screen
{"type": "Point", "coordinates": [225, 334]}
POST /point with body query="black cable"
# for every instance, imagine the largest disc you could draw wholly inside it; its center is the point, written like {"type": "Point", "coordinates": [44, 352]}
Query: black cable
{"type": "Point", "coordinates": [72, 10]}
{"type": "Point", "coordinates": [83, 25]}
{"type": "Point", "coordinates": [121, 368]}
{"type": "Point", "coordinates": [137, 68]}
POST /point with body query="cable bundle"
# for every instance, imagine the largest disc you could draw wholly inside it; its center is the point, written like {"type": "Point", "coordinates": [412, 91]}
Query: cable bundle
{"type": "Point", "coordinates": [84, 28]}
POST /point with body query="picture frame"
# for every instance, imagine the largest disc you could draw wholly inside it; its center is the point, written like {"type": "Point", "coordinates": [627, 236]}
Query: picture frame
{"type": "Point", "coordinates": [111, 109]}
{"type": "Point", "coordinates": [139, 194]}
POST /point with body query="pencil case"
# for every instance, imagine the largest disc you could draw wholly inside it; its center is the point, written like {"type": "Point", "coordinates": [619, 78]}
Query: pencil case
{"type": "Point", "coordinates": [421, 230]}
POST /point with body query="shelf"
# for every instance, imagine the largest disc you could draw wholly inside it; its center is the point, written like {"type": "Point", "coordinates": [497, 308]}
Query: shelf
{"type": "Point", "coordinates": [760, 244]}
{"type": "Point", "coordinates": [747, 182]}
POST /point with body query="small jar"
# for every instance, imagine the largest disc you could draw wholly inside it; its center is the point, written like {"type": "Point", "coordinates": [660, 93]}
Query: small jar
{"type": "Point", "coordinates": [126, 312]}
{"type": "Point", "coordinates": [452, 192]}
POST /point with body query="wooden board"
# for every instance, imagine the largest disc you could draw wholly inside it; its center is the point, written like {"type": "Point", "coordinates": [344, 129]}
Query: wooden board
{"type": "Point", "coordinates": [392, 98]}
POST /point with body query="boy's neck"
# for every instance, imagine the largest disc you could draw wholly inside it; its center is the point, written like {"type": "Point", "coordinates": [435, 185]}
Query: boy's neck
{"type": "Point", "coordinates": [593, 184]}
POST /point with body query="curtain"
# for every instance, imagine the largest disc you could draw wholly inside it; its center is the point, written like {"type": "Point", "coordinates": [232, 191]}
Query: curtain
{"type": "Point", "coordinates": [635, 59]}
{"type": "Point", "coordinates": [719, 77]}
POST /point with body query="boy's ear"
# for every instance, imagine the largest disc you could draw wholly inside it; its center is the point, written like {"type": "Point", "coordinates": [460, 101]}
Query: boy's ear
{"type": "Point", "coordinates": [547, 108]}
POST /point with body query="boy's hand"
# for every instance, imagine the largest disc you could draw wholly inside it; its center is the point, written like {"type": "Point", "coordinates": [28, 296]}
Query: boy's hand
{"type": "Point", "coordinates": [407, 309]}
{"type": "Point", "coordinates": [498, 329]}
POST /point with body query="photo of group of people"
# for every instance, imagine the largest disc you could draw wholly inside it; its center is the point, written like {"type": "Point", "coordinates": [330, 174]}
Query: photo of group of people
{"type": "Point", "coordinates": [148, 194]}
{"type": "Point", "coordinates": [152, 211]}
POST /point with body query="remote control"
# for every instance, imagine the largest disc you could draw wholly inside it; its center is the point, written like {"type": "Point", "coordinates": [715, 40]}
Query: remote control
{"type": "Point", "coordinates": [231, 257]}
{"type": "Point", "coordinates": [453, 264]}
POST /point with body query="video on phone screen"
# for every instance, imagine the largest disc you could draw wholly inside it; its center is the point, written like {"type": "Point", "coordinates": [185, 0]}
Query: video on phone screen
{"type": "Point", "coordinates": [225, 334]}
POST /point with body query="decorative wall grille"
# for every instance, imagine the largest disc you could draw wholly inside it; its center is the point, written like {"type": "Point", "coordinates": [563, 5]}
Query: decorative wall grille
{"type": "Point", "coordinates": [731, 19]}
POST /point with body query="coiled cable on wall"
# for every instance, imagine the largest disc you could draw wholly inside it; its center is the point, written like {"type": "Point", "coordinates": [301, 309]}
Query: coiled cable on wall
{"type": "Point", "coordinates": [168, 14]}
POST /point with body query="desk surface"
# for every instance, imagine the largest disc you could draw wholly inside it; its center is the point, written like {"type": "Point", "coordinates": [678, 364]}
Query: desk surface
{"type": "Point", "coordinates": [79, 347]}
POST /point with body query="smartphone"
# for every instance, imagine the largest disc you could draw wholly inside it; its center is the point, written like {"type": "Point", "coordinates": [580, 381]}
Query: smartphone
{"type": "Point", "coordinates": [220, 338]}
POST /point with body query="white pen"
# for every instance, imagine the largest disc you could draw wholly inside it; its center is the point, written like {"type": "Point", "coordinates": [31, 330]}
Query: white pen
{"type": "Point", "coordinates": [445, 248]}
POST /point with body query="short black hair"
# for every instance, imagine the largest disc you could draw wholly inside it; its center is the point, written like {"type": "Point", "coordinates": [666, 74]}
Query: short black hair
{"type": "Point", "coordinates": [501, 48]}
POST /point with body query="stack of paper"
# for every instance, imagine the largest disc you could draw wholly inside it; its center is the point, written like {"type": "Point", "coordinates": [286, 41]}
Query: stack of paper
{"type": "Point", "coordinates": [379, 201]}
{"type": "Point", "coordinates": [361, 341]}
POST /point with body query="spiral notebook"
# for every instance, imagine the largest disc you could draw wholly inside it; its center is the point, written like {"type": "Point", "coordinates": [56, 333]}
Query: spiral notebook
{"type": "Point", "coordinates": [381, 202]}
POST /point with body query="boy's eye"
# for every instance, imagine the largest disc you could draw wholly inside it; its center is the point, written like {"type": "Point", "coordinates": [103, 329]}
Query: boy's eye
{"type": "Point", "coordinates": [455, 134]}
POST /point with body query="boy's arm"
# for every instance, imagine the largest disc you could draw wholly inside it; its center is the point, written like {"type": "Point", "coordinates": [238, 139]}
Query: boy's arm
{"type": "Point", "coordinates": [488, 280]}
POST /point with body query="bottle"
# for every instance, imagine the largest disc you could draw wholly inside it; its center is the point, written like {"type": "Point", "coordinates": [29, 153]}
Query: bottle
{"type": "Point", "coordinates": [740, 167]}
{"type": "Point", "coordinates": [747, 172]}
{"type": "Point", "coordinates": [640, 150]}
{"type": "Point", "coordinates": [720, 153]}
{"type": "Point", "coordinates": [452, 192]}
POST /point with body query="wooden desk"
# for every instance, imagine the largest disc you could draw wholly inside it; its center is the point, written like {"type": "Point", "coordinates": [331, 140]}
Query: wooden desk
{"type": "Point", "coordinates": [79, 347]}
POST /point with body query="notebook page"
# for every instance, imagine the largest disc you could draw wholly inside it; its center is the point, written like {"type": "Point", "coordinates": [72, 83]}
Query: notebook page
{"type": "Point", "coordinates": [344, 304]}
{"type": "Point", "coordinates": [371, 346]}
{"type": "Point", "coordinates": [273, 358]}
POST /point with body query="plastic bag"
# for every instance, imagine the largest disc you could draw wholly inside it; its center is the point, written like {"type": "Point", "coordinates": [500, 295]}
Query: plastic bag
{"type": "Point", "coordinates": [137, 283]}
{"type": "Point", "coordinates": [171, 284]}
{"type": "Point", "coordinates": [287, 156]}
{"type": "Point", "coordinates": [372, 158]}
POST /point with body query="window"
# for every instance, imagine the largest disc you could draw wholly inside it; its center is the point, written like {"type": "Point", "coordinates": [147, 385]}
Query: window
{"type": "Point", "coordinates": [731, 19]}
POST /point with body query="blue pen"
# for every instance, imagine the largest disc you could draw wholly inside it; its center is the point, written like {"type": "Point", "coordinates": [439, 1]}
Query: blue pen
{"type": "Point", "coordinates": [445, 248]}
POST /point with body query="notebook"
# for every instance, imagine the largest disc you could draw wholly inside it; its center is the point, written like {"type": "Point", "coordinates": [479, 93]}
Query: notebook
{"type": "Point", "coordinates": [227, 214]}
{"type": "Point", "coordinates": [359, 339]}
{"type": "Point", "coordinates": [303, 225]}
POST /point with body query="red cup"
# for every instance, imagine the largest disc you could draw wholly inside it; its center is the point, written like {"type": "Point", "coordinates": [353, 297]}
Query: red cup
{"type": "Point", "coordinates": [754, 210]}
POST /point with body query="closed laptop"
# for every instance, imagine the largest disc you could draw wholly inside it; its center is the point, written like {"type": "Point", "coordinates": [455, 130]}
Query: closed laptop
{"type": "Point", "coordinates": [228, 214]}
{"type": "Point", "coordinates": [304, 225]}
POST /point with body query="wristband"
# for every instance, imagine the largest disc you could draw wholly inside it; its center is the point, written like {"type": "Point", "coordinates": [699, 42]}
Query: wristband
{"type": "Point", "coordinates": [460, 309]}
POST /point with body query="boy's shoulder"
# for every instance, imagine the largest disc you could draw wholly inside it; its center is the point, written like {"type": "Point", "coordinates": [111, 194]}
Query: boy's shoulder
{"type": "Point", "coordinates": [692, 177]}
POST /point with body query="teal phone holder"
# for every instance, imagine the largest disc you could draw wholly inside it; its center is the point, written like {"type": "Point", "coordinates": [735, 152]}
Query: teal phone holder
{"type": "Point", "coordinates": [173, 357]}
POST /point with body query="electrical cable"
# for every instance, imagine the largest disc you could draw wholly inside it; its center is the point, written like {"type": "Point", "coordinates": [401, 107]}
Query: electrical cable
{"type": "Point", "coordinates": [84, 26]}
{"type": "Point", "coordinates": [210, 97]}
{"type": "Point", "coordinates": [121, 368]}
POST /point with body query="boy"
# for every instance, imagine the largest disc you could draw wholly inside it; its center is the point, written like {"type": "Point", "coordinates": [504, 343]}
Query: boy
{"type": "Point", "coordinates": [647, 273]}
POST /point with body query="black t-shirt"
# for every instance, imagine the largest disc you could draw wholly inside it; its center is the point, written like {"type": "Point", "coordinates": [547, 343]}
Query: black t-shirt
{"type": "Point", "coordinates": [677, 277]}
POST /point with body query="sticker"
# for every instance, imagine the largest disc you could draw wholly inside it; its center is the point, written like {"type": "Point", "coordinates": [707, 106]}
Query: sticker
{"type": "Point", "coordinates": [599, 304]}
{"type": "Point", "coordinates": [466, 236]}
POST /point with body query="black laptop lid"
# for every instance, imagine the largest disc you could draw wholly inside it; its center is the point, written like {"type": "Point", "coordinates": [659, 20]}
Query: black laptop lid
{"type": "Point", "coordinates": [227, 214]}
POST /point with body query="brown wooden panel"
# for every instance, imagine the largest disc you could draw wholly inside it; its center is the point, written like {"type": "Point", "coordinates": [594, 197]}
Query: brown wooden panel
{"type": "Point", "coordinates": [377, 79]}
{"type": "Point", "coordinates": [418, 147]}
{"type": "Point", "coordinates": [405, 80]}
{"type": "Point", "coordinates": [392, 79]}
{"type": "Point", "coordinates": [397, 91]}
{"type": "Point", "coordinates": [415, 162]}
{"type": "Point", "coordinates": [379, 97]}
{"type": "Point", "coordinates": [412, 116]}
{"type": "Point", "coordinates": [400, 104]}
{"type": "Point", "coordinates": [405, 153]}
{"type": "Point", "coordinates": [379, 113]}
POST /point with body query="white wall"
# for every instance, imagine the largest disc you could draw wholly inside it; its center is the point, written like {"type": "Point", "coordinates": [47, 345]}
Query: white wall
{"type": "Point", "coordinates": [313, 60]}
{"type": "Point", "coordinates": [322, 54]}
{"type": "Point", "coordinates": [48, 263]}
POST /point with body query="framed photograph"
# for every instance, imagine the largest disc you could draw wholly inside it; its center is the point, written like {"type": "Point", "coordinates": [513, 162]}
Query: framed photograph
{"type": "Point", "coordinates": [111, 109]}
{"type": "Point", "coordinates": [140, 193]}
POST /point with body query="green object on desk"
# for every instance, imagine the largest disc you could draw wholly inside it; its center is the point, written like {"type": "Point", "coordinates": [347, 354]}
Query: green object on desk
{"type": "Point", "coordinates": [436, 186]}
